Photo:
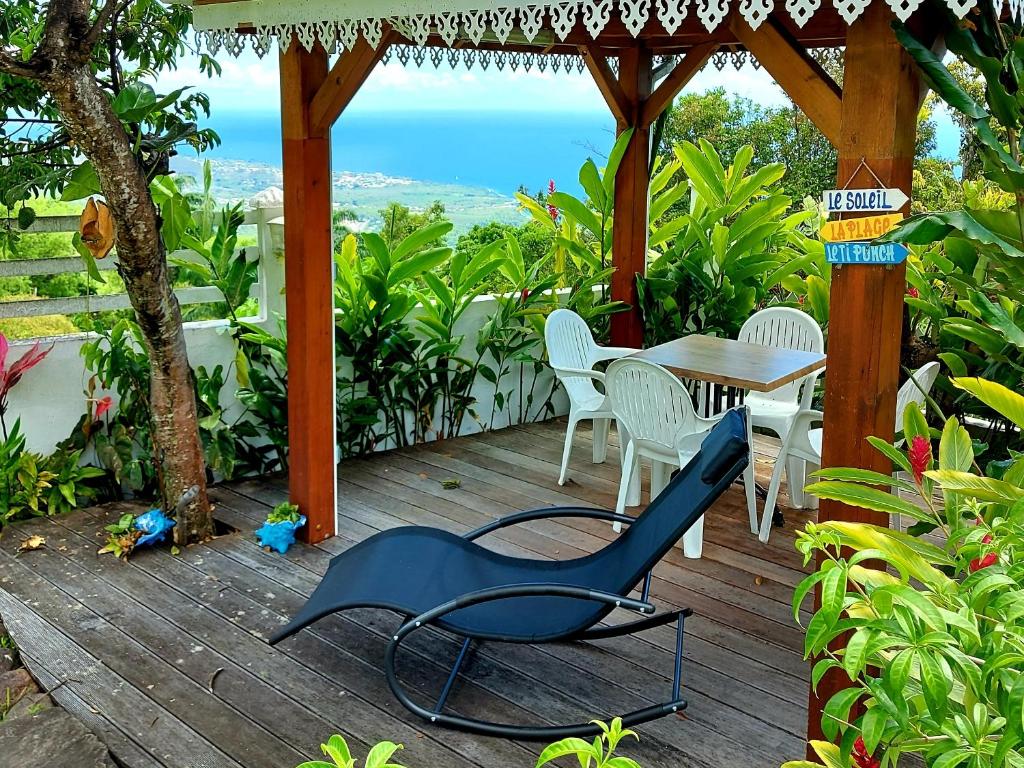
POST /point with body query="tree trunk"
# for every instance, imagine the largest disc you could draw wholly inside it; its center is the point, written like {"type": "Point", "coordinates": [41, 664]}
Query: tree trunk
{"type": "Point", "coordinates": [98, 133]}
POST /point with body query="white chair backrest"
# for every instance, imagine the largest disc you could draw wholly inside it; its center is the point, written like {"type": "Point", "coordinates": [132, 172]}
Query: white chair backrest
{"type": "Point", "coordinates": [783, 328]}
{"type": "Point", "coordinates": [571, 345]}
{"type": "Point", "coordinates": [651, 403]}
{"type": "Point", "coordinates": [917, 393]}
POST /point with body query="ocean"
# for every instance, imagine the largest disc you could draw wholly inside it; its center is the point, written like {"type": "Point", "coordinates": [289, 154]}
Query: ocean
{"type": "Point", "coordinates": [498, 151]}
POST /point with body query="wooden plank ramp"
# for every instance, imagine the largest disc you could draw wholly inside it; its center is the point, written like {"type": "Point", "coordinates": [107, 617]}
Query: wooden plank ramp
{"type": "Point", "coordinates": [165, 657]}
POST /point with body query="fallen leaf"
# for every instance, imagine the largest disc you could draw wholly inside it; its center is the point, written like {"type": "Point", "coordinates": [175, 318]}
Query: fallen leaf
{"type": "Point", "coordinates": [32, 543]}
{"type": "Point", "coordinates": [451, 483]}
{"type": "Point", "coordinates": [759, 580]}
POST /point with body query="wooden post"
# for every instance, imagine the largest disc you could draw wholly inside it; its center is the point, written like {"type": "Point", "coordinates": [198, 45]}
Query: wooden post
{"type": "Point", "coordinates": [629, 237]}
{"type": "Point", "coordinates": [881, 91]}
{"type": "Point", "coordinates": [309, 293]}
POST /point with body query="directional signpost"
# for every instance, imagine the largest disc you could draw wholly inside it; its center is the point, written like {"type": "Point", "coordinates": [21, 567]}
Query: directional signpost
{"type": "Point", "coordinates": [864, 253]}
{"type": "Point", "coordinates": [847, 241]}
{"type": "Point", "coordinates": [865, 200]}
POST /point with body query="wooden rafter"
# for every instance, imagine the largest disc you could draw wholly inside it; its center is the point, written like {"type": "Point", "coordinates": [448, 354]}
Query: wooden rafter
{"type": "Point", "coordinates": [676, 80]}
{"type": "Point", "coordinates": [801, 77]}
{"type": "Point", "coordinates": [608, 84]}
{"type": "Point", "coordinates": [344, 81]}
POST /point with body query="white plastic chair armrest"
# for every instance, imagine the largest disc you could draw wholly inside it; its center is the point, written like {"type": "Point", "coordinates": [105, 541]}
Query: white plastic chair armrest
{"type": "Point", "coordinates": [613, 353]}
{"type": "Point", "coordinates": [575, 372]}
{"type": "Point", "coordinates": [797, 439]}
{"type": "Point", "coordinates": [807, 390]}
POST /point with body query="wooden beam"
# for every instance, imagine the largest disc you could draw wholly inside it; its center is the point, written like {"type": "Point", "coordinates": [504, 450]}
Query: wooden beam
{"type": "Point", "coordinates": [801, 77]}
{"type": "Point", "coordinates": [609, 85]}
{"type": "Point", "coordinates": [632, 190]}
{"type": "Point", "coordinates": [879, 123]}
{"type": "Point", "coordinates": [309, 293]}
{"type": "Point", "coordinates": [677, 79]}
{"type": "Point", "coordinates": [344, 81]}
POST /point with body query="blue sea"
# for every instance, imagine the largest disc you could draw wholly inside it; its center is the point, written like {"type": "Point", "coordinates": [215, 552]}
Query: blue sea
{"type": "Point", "coordinates": [500, 151]}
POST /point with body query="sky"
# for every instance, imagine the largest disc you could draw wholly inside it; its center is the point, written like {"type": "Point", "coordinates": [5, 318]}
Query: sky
{"type": "Point", "coordinates": [398, 87]}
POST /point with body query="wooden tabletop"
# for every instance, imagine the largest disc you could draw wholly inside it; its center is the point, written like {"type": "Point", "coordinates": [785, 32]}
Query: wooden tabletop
{"type": "Point", "coordinates": [732, 363]}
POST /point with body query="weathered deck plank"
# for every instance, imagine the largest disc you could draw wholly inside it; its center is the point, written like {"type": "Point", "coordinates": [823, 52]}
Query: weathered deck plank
{"type": "Point", "coordinates": [165, 657]}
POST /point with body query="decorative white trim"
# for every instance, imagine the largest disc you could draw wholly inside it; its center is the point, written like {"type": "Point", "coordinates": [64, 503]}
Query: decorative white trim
{"type": "Point", "coordinates": [338, 23]}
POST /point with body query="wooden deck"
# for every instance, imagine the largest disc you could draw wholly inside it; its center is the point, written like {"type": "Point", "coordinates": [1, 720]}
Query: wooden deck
{"type": "Point", "coordinates": [165, 657]}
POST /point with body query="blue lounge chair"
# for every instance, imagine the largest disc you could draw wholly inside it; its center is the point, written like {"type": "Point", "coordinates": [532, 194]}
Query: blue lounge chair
{"type": "Point", "coordinates": [437, 578]}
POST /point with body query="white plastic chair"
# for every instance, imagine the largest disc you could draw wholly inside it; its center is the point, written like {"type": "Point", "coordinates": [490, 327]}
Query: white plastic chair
{"type": "Point", "coordinates": [656, 414]}
{"type": "Point", "coordinates": [572, 353]}
{"type": "Point", "coordinates": [804, 441]}
{"type": "Point", "coordinates": [784, 328]}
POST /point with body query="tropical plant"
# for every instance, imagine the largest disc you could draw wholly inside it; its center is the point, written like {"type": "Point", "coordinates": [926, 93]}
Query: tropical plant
{"type": "Point", "coordinates": [374, 295]}
{"type": "Point", "coordinates": [720, 260]}
{"type": "Point", "coordinates": [934, 643]}
{"type": "Point", "coordinates": [284, 513]}
{"type": "Point", "coordinates": [338, 751]}
{"type": "Point", "coordinates": [11, 373]}
{"type": "Point", "coordinates": [453, 375]}
{"type": "Point", "coordinates": [600, 753]}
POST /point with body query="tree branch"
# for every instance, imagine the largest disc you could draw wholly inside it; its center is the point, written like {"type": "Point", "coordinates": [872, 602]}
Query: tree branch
{"type": "Point", "coordinates": [11, 66]}
{"type": "Point", "coordinates": [105, 14]}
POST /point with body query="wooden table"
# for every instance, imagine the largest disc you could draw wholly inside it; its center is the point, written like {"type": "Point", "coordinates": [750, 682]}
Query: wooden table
{"type": "Point", "coordinates": [732, 367]}
{"type": "Point", "coordinates": [735, 364]}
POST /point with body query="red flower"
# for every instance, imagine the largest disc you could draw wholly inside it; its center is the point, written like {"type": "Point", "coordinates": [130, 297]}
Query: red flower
{"type": "Point", "coordinates": [984, 562]}
{"type": "Point", "coordinates": [552, 210]}
{"type": "Point", "coordinates": [11, 376]}
{"type": "Point", "coordinates": [920, 456]}
{"type": "Point", "coordinates": [913, 293]}
{"type": "Point", "coordinates": [103, 405]}
{"type": "Point", "coordinates": [801, 299]}
{"type": "Point", "coordinates": [860, 755]}
{"type": "Point", "coordinates": [524, 295]}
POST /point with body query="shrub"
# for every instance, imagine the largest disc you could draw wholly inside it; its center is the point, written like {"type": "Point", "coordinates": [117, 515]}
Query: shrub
{"type": "Point", "coordinates": [934, 646]}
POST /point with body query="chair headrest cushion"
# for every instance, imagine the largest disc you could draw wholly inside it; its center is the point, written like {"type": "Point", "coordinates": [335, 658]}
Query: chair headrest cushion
{"type": "Point", "coordinates": [724, 446]}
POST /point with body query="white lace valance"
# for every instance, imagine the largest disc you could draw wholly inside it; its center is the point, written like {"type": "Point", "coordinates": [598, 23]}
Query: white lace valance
{"type": "Point", "coordinates": [339, 23]}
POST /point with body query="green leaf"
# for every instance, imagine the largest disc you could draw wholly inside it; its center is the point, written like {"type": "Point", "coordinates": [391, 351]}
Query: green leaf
{"type": "Point", "coordinates": [928, 228]}
{"type": "Point", "coordinates": [974, 486]}
{"type": "Point", "coordinates": [337, 749]}
{"type": "Point", "coordinates": [416, 266]}
{"type": "Point", "coordinates": [87, 258]}
{"type": "Point", "coordinates": [866, 497]}
{"type": "Point", "coordinates": [135, 102]}
{"type": "Point", "coordinates": [1004, 401]}
{"type": "Point", "coordinates": [956, 451]}
{"type": "Point", "coordinates": [381, 754]}
{"type": "Point", "coordinates": [837, 711]}
{"type": "Point", "coordinates": [564, 748]}
{"type": "Point", "coordinates": [935, 685]}
{"type": "Point", "coordinates": [897, 457]}
{"type": "Point", "coordinates": [83, 182]}
{"type": "Point", "coordinates": [833, 593]}
{"type": "Point", "coordinates": [872, 726]}
{"type": "Point", "coordinates": [421, 237]}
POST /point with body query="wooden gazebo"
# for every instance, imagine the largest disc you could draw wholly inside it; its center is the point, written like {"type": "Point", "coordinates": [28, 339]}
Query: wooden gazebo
{"type": "Point", "coordinates": [658, 46]}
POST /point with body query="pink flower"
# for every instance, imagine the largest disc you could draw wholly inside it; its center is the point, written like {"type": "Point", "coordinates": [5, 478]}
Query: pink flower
{"type": "Point", "coordinates": [553, 212]}
{"type": "Point", "coordinates": [9, 377]}
{"type": "Point", "coordinates": [920, 456]}
{"type": "Point", "coordinates": [860, 755]}
{"type": "Point", "coordinates": [103, 405]}
{"type": "Point", "coordinates": [913, 293]}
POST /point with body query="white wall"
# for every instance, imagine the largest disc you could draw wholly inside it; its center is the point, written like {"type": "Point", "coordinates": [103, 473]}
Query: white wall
{"type": "Point", "coordinates": [51, 397]}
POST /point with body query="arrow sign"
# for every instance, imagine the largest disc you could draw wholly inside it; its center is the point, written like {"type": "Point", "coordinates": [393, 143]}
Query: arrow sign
{"type": "Point", "coordinates": [866, 228]}
{"type": "Point", "coordinates": [864, 253]}
{"type": "Point", "coordinates": [864, 200]}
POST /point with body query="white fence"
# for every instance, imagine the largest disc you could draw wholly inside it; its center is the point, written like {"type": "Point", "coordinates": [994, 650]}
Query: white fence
{"type": "Point", "coordinates": [51, 398]}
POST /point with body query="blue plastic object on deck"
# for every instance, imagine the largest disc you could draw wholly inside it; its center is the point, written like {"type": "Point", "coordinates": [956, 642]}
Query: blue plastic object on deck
{"type": "Point", "coordinates": [279, 536]}
{"type": "Point", "coordinates": [154, 526]}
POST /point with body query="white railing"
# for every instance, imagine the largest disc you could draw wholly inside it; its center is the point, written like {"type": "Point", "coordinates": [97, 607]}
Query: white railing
{"type": "Point", "coordinates": [51, 398]}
